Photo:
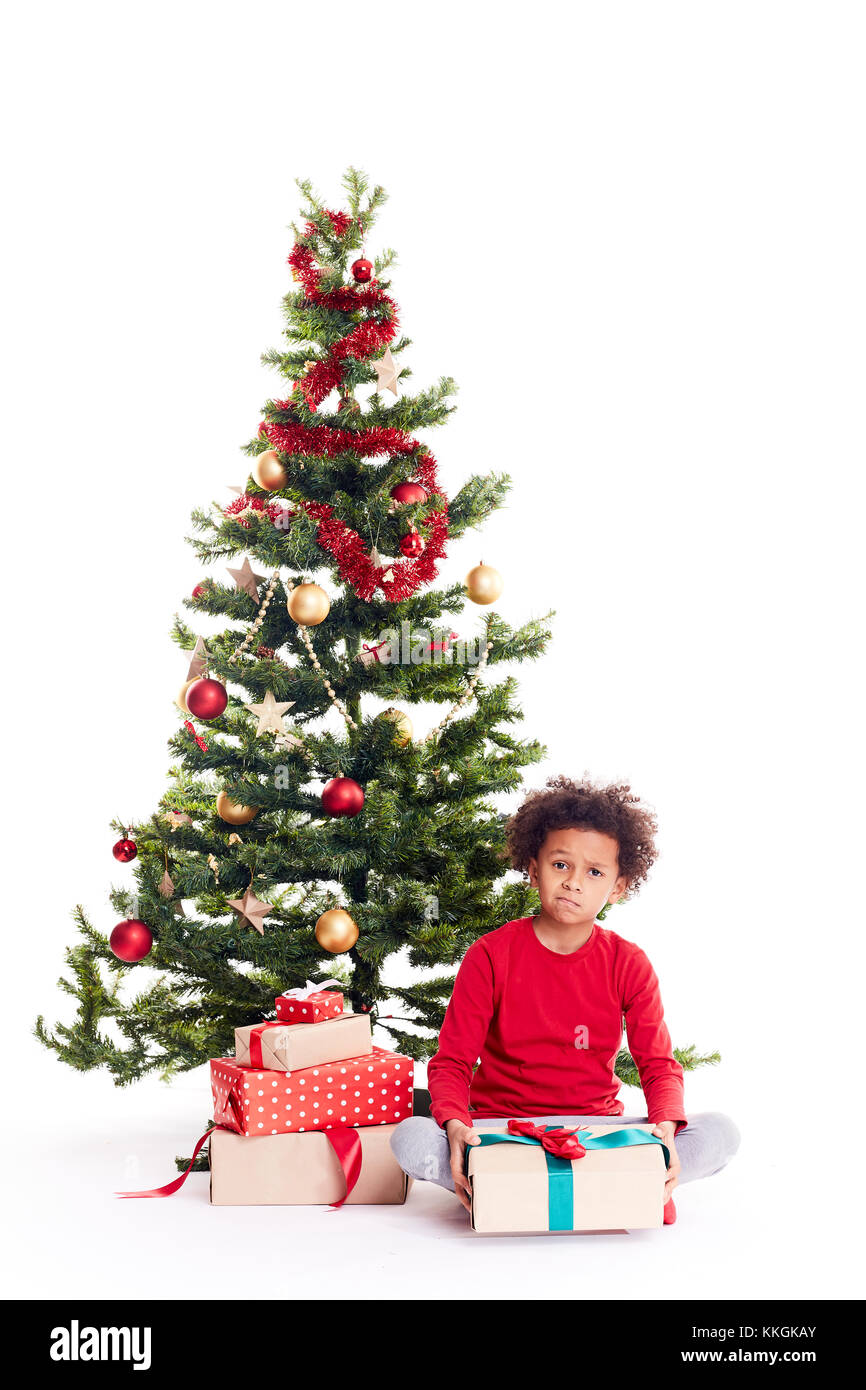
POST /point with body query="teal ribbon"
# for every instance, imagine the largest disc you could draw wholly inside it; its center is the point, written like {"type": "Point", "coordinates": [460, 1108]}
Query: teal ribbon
{"type": "Point", "coordinates": [560, 1174]}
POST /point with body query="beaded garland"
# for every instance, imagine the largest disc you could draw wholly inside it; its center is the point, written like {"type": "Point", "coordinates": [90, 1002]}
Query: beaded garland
{"type": "Point", "coordinates": [334, 698]}
{"type": "Point", "coordinates": [263, 608]}
{"type": "Point", "coordinates": [464, 699]}
{"type": "Point", "coordinates": [317, 665]}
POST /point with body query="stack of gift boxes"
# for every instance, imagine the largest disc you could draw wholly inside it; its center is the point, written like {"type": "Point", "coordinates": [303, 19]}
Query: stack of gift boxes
{"type": "Point", "coordinates": [306, 1108]}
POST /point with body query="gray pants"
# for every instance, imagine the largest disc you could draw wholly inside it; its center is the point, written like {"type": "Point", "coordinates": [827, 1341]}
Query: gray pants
{"type": "Point", "coordinates": [707, 1143]}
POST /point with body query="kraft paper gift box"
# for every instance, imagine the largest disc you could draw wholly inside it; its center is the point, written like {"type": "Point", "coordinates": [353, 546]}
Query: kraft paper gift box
{"type": "Point", "coordinates": [302, 1170]}
{"type": "Point", "coordinates": [291, 1046]}
{"type": "Point", "coordinates": [519, 1186]}
{"type": "Point", "coordinates": [373, 1089]}
{"type": "Point", "coordinates": [309, 1008]}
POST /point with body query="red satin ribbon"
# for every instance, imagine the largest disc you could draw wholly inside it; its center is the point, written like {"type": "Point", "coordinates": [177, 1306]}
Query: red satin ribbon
{"type": "Point", "coordinates": [564, 1143]}
{"type": "Point", "coordinates": [256, 1040]}
{"type": "Point", "coordinates": [346, 1144]}
{"type": "Point", "coordinates": [171, 1187]}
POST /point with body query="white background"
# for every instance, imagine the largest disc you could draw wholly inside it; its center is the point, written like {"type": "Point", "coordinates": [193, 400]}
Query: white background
{"type": "Point", "coordinates": [634, 234]}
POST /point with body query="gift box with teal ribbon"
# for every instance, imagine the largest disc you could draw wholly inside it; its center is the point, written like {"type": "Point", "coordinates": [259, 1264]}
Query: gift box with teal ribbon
{"type": "Point", "coordinates": [541, 1178]}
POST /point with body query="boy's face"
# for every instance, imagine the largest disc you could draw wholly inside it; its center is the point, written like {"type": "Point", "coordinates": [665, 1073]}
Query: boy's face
{"type": "Point", "coordinates": [576, 872]}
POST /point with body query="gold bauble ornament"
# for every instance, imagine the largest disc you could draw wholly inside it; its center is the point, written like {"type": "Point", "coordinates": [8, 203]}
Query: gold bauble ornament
{"type": "Point", "coordinates": [181, 699]}
{"type": "Point", "coordinates": [402, 725]}
{"type": "Point", "coordinates": [336, 931]}
{"type": "Point", "coordinates": [268, 472]}
{"type": "Point", "coordinates": [484, 584]}
{"type": "Point", "coordinates": [234, 812]}
{"type": "Point", "coordinates": [308, 605]}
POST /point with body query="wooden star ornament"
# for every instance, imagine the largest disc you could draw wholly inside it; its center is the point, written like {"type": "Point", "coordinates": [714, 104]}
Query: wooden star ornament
{"type": "Point", "coordinates": [270, 714]}
{"type": "Point", "coordinates": [252, 910]}
{"type": "Point", "coordinates": [246, 580]}
{"type": "Point", "coordinates": [198, 660]}
{"type": "Point", "coordinates": [386, 372]}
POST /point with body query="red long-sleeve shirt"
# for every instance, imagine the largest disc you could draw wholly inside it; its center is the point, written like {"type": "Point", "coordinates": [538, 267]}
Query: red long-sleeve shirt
{"type": "Point", "coordinates": [548, 1027]}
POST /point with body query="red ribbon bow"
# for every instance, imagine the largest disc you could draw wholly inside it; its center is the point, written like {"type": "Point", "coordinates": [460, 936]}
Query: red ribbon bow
{"type": "Point", "coordinates": [564, 1143]}
{"type": "Point", "coordinates": [199, 740]}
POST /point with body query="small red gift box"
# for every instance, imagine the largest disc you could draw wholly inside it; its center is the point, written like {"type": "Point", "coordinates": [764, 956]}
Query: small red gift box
{"type": "Point", "coordinates": [375, 1089]}
{"type": "Point", "coordinates": [311, 1005]}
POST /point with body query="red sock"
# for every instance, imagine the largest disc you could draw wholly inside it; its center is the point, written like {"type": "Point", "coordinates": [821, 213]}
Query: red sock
{"type": "Point", "coordinates": [670, 1213]}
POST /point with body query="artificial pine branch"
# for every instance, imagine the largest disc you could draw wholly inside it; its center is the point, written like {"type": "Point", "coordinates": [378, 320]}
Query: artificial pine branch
{"type": "Point", "coordinates": [688, 1057]}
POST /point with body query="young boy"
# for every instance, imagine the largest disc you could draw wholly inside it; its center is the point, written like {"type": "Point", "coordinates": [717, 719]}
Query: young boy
{"type": "Point", "coordinates": [542, 1001]}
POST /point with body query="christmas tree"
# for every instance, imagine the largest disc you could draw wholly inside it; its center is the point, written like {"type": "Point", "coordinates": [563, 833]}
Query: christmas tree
{"type": "Point", "coordinates": [306, 832]}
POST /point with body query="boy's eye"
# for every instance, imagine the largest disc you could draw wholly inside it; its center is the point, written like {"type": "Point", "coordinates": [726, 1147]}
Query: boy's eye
{"type": "Point", "coordinates": [596, 871]}
{"type": "Point", "coordinates": [560, 864]}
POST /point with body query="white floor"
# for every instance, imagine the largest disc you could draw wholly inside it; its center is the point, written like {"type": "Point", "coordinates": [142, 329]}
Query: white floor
{"type": "Point", "coordinates": [771, 1225]}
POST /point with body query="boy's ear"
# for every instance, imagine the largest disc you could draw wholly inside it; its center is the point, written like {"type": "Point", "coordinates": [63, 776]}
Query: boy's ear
{"type": "Point", "coordinates": [532, 871]}
{"type": "Point", "coordinates": [620, 888]}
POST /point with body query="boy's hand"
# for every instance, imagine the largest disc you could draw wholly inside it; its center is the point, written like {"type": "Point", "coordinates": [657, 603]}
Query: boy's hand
{"type": "Point", "coordinates": [666, 1129]}
{"type": "Point", "coordinates": [459, 1135]}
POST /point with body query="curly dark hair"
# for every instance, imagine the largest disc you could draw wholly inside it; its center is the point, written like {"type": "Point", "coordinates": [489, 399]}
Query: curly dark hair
{"type": "Point", "coordinates": [565, 805]}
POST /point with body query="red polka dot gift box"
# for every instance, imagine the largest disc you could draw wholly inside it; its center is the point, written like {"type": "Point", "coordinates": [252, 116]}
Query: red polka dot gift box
{"type": "Point", "coordinates": [313, 1004]}
{"type": "Point", "coordinates": [373, 1089]}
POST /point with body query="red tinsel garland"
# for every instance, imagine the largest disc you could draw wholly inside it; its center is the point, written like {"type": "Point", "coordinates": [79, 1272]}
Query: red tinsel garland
{"type": "Point", "coordinates": [322, 439]}
{"type": "Point", "coordinates": [367, 338]}
{"type": "Point", "coordinates": [372, 335]}
{"type": "Point", "coordinates": [272, 510]}
{"type": "Point", "coordinates": [356, 567]}
{"type": "Point", "coordinates": [340, 221]}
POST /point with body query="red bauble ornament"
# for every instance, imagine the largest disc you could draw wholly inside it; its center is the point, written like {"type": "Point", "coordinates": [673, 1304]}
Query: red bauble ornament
{"type": "Point", "coordinates": [342, 797]}
{"type": "Point", "coordinates": [409, 492]}
{"type": "Point", "coordinates": [125, 850]}
{"type": "Point", "coordinates": [362, 270]}
{"type": "Point", "coordinates": [198, 591]}
{"type": "Point", "coordinates": [131, 940]}
{"type": "Point", "coordinates": [412, 545]}
{"type": "Point", "coordinates": [206, 698]}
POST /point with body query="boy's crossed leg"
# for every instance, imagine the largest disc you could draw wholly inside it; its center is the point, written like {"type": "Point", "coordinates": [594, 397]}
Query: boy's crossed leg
{"type": "Point", "coordinates": [708, 1142]}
